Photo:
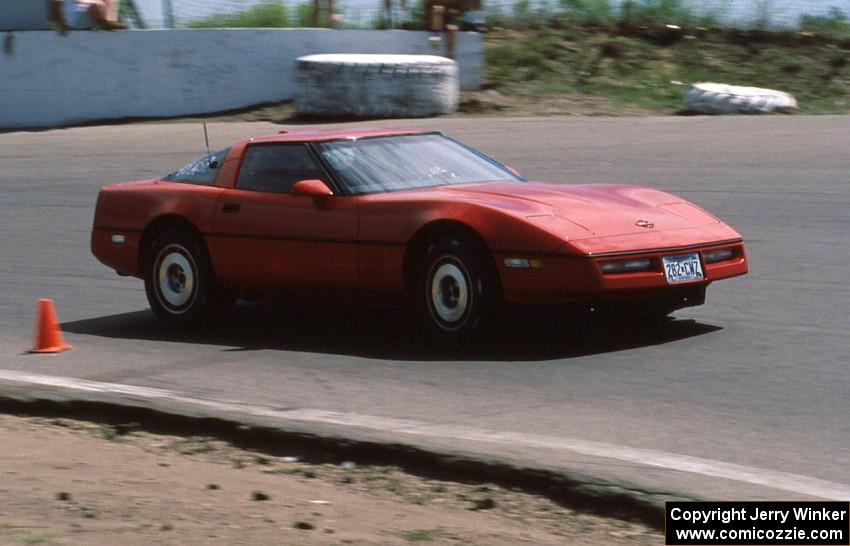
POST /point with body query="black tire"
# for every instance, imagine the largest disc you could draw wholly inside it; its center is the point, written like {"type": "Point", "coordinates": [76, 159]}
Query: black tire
{"type": "Point", "coordinates": [179, 280]}
{"type": "Point", "coordinates": [458, 293]}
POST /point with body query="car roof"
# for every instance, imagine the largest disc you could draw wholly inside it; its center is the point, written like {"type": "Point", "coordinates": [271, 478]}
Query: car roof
{"type": "Point", "coordinates": [316, 134]}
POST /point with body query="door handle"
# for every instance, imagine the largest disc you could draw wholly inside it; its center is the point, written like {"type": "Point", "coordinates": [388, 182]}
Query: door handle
{"type": "Point", "coordinates": [231, 208]}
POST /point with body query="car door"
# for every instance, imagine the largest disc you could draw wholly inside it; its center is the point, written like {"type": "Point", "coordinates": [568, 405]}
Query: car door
{"type": "Point", "coordinates": [267, 241]}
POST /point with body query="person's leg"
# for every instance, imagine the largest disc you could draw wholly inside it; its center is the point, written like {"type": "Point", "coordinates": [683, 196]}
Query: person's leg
{"type": "Point", "coordinates": [100, 12]}
{"type": "Point", "coordinates": [97, 12]}
{"type": "Point", "coordinates": [111, 7]}
{"type": "Point", "coordinates": [57, 17]}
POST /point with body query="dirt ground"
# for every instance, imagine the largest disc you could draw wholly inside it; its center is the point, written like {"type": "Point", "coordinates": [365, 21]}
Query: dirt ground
{"type": "Point", "coordinates": [473, 103]}
{"type": "Point", "coordinates": [72, 482]}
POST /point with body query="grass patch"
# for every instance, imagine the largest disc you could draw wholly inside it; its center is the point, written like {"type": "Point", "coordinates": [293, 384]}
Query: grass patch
{"type": "Point", "coordinates": [637, 69]}
{"type": "Point", "coordinates": [419, 536]}
{"type": "Point", "coordinates": [835, 24]}
{"type": "Point", "coordinates": [38, 538]}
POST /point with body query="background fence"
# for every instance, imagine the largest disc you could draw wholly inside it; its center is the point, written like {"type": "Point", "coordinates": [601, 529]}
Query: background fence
{"type": "Point", "coordinates": [369, 13]}
{"type": "Point", "coordinates": [181, 13]}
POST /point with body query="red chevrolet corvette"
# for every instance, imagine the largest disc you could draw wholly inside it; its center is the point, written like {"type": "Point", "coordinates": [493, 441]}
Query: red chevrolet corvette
{"type": "Point", "coordinates": [407, 215]}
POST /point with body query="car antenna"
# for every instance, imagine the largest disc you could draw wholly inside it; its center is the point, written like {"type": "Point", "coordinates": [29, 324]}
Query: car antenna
{"type": "Point", "coordinates": [206, 138]}
{"type": "Point", "coordinates": [212, 162]}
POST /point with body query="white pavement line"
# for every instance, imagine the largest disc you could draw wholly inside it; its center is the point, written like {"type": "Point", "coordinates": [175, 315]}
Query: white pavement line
{"type": "Point", "coordinates": [784, 481]}
{"type": "Point", "coordinates": [82, 384]}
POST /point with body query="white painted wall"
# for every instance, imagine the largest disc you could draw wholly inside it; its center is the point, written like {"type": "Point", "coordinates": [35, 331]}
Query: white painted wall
{"type": "Point", "coordinates": [47, 80]}
{"type": "Point", "coordinates": [23, 15]}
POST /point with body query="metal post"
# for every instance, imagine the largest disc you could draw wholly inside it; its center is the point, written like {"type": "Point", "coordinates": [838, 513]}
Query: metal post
{"type": "Point", "coordinates": [133, 14]}
{"type": "Point", "coordinates": [167, 14]}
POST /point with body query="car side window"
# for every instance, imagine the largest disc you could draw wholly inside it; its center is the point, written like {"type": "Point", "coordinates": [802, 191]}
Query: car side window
{"type": "Point", "coordinates": [276, 167]}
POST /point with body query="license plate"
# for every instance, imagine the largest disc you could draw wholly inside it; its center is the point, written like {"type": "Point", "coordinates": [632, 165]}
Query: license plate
{"type": "Point", "coordinates": [682, 268]}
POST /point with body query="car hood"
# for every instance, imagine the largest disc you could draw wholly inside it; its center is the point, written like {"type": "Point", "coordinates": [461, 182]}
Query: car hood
{"type": "Point", "coordinates": [598, 210]}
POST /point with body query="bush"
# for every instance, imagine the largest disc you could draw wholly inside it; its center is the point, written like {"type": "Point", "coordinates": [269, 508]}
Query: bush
{"type": "Point", "coordinates": [834, 24]}
{"type": "Point", "coordinates": [529, 13]}
{"type": "Point", "coordinates": [522, 15]}
{"type": "Point", "coordinates": [304, 14]}
{"type": "Point", "coordinates": [657, 12]}
{"type": "Point", "coordinates": [495, 16]}
{"type": "Point", "coordinates": [267, 14]}
{"type": "Point", "coordinates": [593, 12]}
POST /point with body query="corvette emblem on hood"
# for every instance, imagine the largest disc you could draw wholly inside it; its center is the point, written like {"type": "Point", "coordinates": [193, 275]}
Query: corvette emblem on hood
{"type": "Point", "coordinates": [644, 224]}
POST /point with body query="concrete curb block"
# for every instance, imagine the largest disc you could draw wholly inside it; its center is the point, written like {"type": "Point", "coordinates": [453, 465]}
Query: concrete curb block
{"type": "Point", "coordinates": [718, 98]}
{"type": "Point", "coordinates": [580, 493]}
{"type": "Point", "coordinates": [369, 86]}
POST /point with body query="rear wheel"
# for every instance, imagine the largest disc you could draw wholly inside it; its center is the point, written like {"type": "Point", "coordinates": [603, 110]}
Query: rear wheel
{"type": "Point", "coordinates": [179, 281]}
{"type": "Point", "coordinates": [458, 292]}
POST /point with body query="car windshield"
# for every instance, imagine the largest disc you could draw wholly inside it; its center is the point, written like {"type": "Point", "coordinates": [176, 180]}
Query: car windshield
{"type": "Point", "coordinates": [392, 163]}
{"type": "Point", "coordinates": [202, 171]}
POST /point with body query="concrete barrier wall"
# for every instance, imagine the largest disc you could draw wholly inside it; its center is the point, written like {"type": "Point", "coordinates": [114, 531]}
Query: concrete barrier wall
{"type": "Point", "coordinates": [47, 80]}
{"type": "Point", "coordinates": [23, 14]}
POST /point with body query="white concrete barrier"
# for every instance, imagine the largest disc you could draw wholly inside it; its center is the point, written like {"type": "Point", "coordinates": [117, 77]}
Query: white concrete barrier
{"type": "Point", "coordinates": [349, 84]}
{"type": "Point", "coordinates": [47, 80]}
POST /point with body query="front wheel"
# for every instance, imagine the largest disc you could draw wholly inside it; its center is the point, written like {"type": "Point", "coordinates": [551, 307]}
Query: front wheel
{"type": "Point", "coordinates": [179, 282]}
{"type": "Point", "coordinates": [458, 291]}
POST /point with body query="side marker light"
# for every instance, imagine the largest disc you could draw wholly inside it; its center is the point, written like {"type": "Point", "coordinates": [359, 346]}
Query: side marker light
{"type": "Point", "coordinates": [524, 263]}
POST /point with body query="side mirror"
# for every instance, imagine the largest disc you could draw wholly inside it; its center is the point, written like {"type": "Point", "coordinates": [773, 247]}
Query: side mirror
{"type": "Point", "coordinates": [311, 188]}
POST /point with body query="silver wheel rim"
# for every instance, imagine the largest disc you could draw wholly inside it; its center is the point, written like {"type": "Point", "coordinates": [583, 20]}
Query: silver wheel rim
{"type": "Point", "coordinates": [175, 278]}
{"type": "Point", "coordinates": [449, 294]}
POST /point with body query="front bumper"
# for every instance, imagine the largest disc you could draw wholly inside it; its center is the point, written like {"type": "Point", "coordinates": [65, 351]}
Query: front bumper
{"type": "Point", "coordinates": [565, 278]}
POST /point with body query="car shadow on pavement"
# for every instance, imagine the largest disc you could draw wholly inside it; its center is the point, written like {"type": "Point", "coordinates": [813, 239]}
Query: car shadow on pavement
{"type": "Point", "coordinates": [387, 333]}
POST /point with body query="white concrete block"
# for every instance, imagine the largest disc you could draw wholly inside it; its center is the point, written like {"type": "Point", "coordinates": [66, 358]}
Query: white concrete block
{"type": "Point", "coordinates": [719, 98]}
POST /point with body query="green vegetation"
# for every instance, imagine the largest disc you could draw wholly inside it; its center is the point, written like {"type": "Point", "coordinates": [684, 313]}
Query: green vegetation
{"type": "Point", "coordinates": [304, 14]}
{"type": "Point", "coordinates": [668, 12]}
{"type": "Point", "coordinates": [626, 57]}
{"type": "Point", "coordinates": [39, 538]}
{"type": "Point", "coordinates": [524, 14]}
{"type": "Point", "coordinates": [637, 55]}
{"type": "Point", "coordinates": [537, 13]}
{"type": "Point", "coordinates": [835, 24]}
{"type": "Point", "coordinates": [419, 536]}
{"type": "Point", "coordinates": [593, 12]}
{"type": "Point", "coordinates": [267, 14]}
{"type": "Point", "coordinates": [605, 12]}
{"type": "Point", "coordinates": [642, 66]}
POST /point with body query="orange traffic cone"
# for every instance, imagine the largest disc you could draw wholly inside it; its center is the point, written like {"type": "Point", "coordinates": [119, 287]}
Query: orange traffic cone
{"type": "Point", "coordinates": [48, 336]}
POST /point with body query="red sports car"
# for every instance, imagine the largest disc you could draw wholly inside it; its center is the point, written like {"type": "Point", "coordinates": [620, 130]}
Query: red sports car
{"type": "Point", "coordinates": [407, 215]}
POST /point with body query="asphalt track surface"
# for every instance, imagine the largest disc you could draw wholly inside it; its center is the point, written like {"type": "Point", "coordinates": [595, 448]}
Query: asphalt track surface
{"type": "Point", "coordinates": [745, 397]}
